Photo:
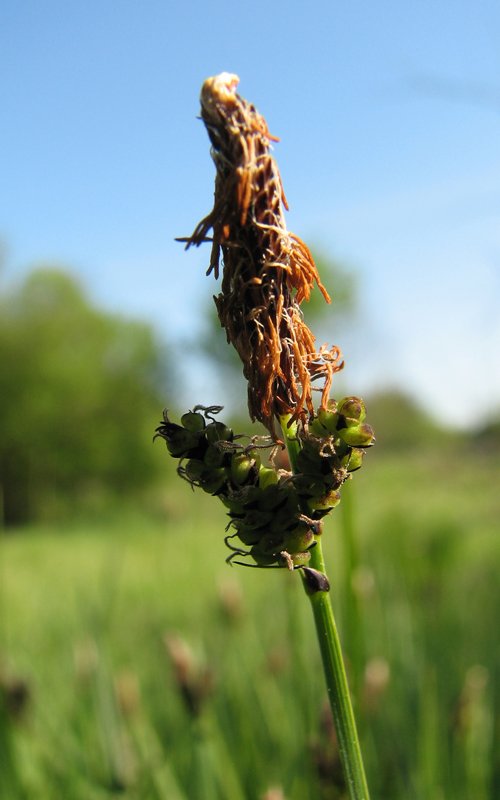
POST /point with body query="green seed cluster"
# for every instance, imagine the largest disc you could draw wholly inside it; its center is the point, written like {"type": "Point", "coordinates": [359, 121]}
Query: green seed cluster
{"type": "Point", "coordinates": [332, 448]}
{"type": "Point", "coordinates": [273, 515]}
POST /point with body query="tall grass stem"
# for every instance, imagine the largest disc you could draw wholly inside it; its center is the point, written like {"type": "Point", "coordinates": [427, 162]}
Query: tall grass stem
{"type": "Point", "coordinates": [331, 654]}
{"type": "Point", "coordinates": [352, 619]}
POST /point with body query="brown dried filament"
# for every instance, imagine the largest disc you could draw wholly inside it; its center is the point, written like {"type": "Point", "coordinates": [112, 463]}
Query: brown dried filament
{"type": "Point", "coordinates": [268, 271]}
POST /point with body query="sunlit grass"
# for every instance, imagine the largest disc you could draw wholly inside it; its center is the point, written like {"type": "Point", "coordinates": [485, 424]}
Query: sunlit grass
{"type": "Point", "coordinates": [85, 609]}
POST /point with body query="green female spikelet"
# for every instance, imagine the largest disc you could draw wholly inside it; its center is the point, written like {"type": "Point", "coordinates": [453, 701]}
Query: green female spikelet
{"type": "Point", "coordinates": [273, 513]}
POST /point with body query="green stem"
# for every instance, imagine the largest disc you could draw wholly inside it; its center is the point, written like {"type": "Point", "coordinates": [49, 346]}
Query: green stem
{"type": "Point", "coordinates": [331, 654]}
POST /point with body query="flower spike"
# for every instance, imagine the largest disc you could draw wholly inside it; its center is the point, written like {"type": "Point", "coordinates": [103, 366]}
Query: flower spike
{"type": "Point", "coordinates": [268, 271]}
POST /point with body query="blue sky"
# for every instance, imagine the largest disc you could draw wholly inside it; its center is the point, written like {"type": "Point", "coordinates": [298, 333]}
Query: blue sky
{"type": "Point", "coordinates": [389, 120]}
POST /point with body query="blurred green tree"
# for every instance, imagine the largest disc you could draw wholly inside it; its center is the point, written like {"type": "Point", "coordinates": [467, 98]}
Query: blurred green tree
{"type": "Point", "coordinates": [401, 424]}
{"type": "Point", "coordinates": [79, 389]}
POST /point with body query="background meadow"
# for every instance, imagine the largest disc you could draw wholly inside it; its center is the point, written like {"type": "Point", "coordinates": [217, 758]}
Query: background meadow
{"type": "Point", "coordinates": [136, 663]}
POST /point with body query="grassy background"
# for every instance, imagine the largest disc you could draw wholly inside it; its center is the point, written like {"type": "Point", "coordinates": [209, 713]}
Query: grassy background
{"type": "Point", "coordinates": [134, 663]}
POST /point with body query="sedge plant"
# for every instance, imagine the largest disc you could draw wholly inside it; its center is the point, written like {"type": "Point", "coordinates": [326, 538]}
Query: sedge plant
{"type": "Point", "coordinates": [276, 515]}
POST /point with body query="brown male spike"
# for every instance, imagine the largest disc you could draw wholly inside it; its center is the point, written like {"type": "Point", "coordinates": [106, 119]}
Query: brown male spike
{"type": "Point", "coordinates": [268, 271]}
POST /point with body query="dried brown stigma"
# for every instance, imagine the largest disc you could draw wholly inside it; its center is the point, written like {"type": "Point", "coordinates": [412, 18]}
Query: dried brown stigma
{"type": "Point", "coordinates": [268, 271]}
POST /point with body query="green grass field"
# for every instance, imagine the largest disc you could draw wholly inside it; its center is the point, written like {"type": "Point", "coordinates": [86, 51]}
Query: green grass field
{"type": "Point", "coordinates": [135, 663]}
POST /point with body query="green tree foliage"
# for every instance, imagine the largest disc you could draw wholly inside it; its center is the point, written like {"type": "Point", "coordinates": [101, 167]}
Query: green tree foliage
{"type": "Point", "coordinates": [400, 424]}
{"type": "Point", "coordinates": [79, 389]}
